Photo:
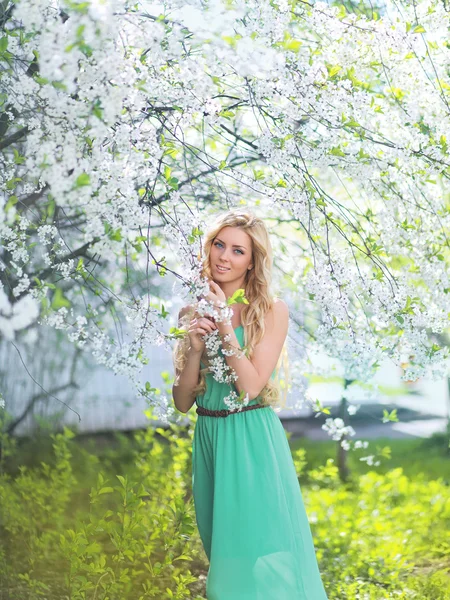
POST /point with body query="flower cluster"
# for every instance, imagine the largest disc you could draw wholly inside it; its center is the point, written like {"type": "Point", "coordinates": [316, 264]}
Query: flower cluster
{"type": "Point", "coordinates": [217, 348]}
{"type": "Point", "coordinates": [337, 428]}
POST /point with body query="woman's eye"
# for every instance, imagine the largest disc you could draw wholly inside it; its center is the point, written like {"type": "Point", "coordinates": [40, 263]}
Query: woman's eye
{"type": "Point", "coordinates": [219, 244]}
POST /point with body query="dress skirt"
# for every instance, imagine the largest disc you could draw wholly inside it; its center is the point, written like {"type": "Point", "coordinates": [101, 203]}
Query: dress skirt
{"type": "Point", "coordinates": [249, 506]}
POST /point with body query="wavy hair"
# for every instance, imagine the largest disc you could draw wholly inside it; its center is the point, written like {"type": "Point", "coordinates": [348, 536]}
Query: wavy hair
{"type": "Point", "coordinates": [260, 301]}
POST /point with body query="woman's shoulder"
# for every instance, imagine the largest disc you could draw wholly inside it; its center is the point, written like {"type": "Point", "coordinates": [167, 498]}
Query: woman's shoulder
{"type": "Point", "coordinates": [278, 313]}
{"type": "Point", "coordinates": [280, 307]}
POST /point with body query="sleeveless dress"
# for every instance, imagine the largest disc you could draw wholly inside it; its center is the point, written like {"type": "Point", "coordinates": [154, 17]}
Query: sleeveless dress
{"type": "Point", "coordinates": [248, 505]}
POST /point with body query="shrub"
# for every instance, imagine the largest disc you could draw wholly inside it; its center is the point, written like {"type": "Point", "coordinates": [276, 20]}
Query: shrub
{"type": "Point", "coordinates": [373, 534]}
{"type": "Point", "coordinates": [118, 523]}
{"type": "Point", "coordinates": [134, 537]}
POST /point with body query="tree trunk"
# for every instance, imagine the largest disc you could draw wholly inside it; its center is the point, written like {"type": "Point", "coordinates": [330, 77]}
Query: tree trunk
{"type": "Point", "coordinates": [341, 457]}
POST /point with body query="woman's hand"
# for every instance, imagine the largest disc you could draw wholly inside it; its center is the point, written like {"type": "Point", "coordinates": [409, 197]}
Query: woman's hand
{"type": "Point", "coordinates": [198, 327]}
{"type": "Point", "coordinates": [217, 295]}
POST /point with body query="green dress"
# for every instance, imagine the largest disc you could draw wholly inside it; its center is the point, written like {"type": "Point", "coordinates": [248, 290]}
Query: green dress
{"type": "Point", "coordinates": [248, 505]}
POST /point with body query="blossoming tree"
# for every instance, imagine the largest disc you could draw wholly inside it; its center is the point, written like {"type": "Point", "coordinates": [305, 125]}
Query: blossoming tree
{"type": "Point", "coordinates": [125, 126]}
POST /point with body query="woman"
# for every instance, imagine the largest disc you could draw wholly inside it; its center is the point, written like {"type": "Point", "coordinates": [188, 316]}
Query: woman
{"type": "Point", "coordinates": [248, 503]}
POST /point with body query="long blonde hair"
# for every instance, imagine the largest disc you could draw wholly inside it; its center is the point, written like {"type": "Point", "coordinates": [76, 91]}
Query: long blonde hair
{"type": "Point", "coordinates": [260, 301]}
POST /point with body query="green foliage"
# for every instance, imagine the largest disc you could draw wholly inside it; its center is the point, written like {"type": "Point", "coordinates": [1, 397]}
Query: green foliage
{"type": "Point", "coordinates": [237, 298]}
{"type": "Point", "coordinates": [89, 520]}
{"type": "Point", "coordinates": [77, 529]}
{"type": "Point", "coordinates": [380, 537]}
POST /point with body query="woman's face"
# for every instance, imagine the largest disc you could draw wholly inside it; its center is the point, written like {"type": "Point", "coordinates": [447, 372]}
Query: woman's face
{"type": "Point", "coordinates": [232, 250]}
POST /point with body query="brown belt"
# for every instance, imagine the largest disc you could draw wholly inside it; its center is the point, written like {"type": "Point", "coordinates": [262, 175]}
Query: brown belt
{"type": "Point", "coordinates": [224, 413]}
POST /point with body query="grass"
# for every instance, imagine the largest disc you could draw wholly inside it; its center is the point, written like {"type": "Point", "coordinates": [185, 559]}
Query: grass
{"type": "Point", "coordinates": [430, 456]}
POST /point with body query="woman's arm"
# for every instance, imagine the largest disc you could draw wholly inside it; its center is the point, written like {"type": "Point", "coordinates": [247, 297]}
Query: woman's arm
{"type": "Point", "coordinates": [254, 373]}
{"type": "Point", "coordinates": [188, 378]}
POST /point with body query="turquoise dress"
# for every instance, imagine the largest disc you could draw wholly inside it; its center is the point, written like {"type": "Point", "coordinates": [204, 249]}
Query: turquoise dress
{"type": "Point", "coordinates": [248, 505]}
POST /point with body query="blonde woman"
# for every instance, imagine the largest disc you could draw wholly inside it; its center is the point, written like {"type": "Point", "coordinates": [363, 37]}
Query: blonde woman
{"type": "Point", "coordinates": [248, 503]}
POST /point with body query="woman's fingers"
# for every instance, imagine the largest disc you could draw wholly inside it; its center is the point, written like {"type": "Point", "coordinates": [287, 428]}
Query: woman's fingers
{"type": "Point", "coordinates": [205, 323]}
{"type": "Point", "coordinates": [201, 329]}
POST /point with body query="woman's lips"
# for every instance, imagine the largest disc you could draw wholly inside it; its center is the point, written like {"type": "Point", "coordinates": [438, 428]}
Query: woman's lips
{"type": "Point", "coordinates": [221, 269]}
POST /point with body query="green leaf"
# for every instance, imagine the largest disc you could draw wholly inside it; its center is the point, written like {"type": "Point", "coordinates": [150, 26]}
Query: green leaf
{"type": "Point", "coordinates": [195, 233]}
{"type": "Point", "coordinates": [237, 298]}
{"type": "Point", "coordinates": [116, 235]}
{"type": "Point", "coordinates": [12, 183]}
{"type": "Point", "coordinates": [83, 179]}
{"type": "Point", "coordinates": [333, 70]}
{"type": "Point", "coordinates": [59, 85]}
{"type": "Point", "coordinates": [39, 79]}
{"type": "Point", "coordinates": [337, 151]}
{"type": "Point", "coordinates": [12, 200]}
{"type": "Point", "coordinates": [227, 114]}
{"type": "Point", "coordinates": [176, 333]}
{"type": "Point", "coordinates": [173, 183]}
{"type": "Point", "coordinates": [59, 300]}
{"type": "Point", "coordinates": [292, 45]}
{"type": "Point", "coordinates": [68, 433]}
{"type": "Point", "coordinates": [122, 480]}
{"type": "Point", "coordinates": [390, 416]}
{"type": "Point", "coordinates": [97, 110]}
{"type": "Point", "coordinates": [149, 388]}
